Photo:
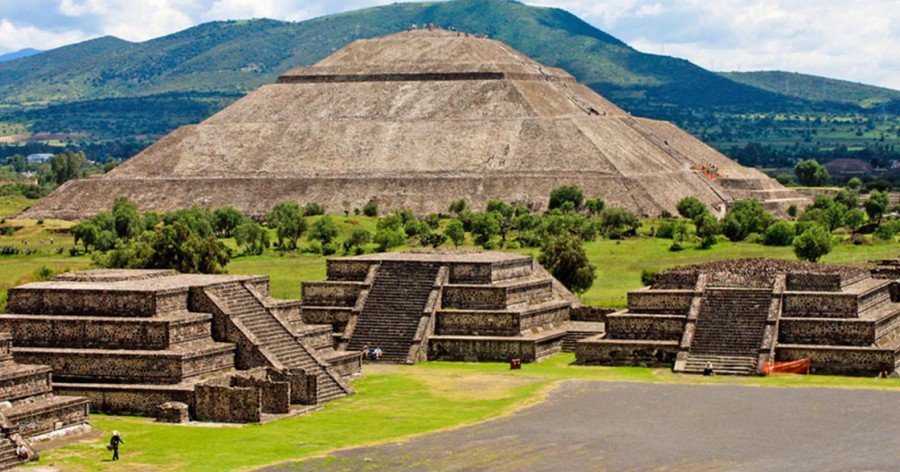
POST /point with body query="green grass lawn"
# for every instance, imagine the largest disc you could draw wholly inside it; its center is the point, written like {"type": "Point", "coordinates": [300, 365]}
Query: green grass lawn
{"type": "Point", "coordinates": [392, 402]}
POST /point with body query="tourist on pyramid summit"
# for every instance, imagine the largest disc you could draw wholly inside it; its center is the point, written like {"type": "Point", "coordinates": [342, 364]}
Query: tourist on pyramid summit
{"type": "Point", "coordinates": [114, 442]}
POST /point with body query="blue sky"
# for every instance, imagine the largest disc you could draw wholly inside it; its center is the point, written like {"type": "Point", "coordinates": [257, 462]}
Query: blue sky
{"type": "Point", "coordinates": [847, 39]}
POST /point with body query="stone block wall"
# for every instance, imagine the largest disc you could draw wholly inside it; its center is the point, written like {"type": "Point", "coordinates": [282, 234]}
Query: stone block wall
{"type": "Point", "coordinates": [840, 360]}
{"type": "Point", "coordinates": [811, 282]}
{"type": "Point", "coordinates": [473, 297]}
{"type": "Point", "coordinates": [660, 301]}
{"type": "Point", "coordinates": [819, 305]}
{"type": "Point", "coordinates": [331, 293]}
{"type": "Point", "coordinates": [226, 404]}
{"type": "Point", "coordinates": [675, 280]}
{"type": "Point", "coordinates": [477, 323]}
{"type": "Point", "coordinates": [492, 349]}
{"type": "Point", "coordinates": [660, 327]}
{"type": "Point", "coordinates": [26, 300]}
{"type": "Point", "coordinates": [826, 331]}
{"type": "Point", "coordinates": [326, 315]}
{"type": "Point", "coordinates": [589, 313]}
{"type": "Point", "coordinates": [275, 396]}
{"type": "Point", "coordinates": [347, 269]}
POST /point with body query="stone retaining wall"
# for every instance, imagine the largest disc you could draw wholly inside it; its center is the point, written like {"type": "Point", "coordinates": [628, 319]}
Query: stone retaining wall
{"type": "Point", "coordinates": [19, 384]}
{"type": "Point", "coordinates": [660, 301]}
{"type": "Point", "coordinates": [659, 327]}
{"type": "Point", "coordinates": [331, 293]}
{"type": "Point", "coordinates": [840, 361]}
{"type": "Point", "coordinates": [826, 331]}
{"type": "Point", "coordinates": [347, 269]}
{"type": "Point", "coordinates": [124, 400]}
{"type": "Point", "coordinates": [492, 349]}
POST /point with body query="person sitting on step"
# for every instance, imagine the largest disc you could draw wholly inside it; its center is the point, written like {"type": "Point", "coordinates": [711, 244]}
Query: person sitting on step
{"type": "Point", "coordinates": [377, 353]}
{"type": "Point", "coordinates": [365, 352]}
{"type": "Point", "coordinates": [708, 370]}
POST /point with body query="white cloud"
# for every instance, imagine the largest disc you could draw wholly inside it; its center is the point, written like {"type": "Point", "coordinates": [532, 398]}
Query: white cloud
{"type": "Point", "coordinates": [854, 40]}
{"type": "Point", "coordinates": [14, 38]}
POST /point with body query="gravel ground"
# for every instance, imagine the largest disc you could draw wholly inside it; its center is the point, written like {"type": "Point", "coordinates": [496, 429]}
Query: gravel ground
{"type": "Point", "coordinates": [641, 426]}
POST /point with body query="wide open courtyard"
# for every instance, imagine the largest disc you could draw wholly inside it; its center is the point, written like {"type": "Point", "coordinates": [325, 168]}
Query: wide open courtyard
{"type": "Point", "coordinates": [590, 425]}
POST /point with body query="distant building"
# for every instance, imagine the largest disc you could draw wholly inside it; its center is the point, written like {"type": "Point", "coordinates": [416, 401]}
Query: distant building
{"type": "Point", "coordinates": [38, 158]}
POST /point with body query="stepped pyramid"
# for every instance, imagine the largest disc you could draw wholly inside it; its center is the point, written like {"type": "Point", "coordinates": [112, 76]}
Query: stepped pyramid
{"type": "Point", "coordinates": [416, 120]}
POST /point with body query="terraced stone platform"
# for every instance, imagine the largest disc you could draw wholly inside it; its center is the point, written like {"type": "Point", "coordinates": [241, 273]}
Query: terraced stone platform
{"type": "Point", "coordinates": [450, 305]}
{"type": "Point", "coordinates": [131, 340]}
{"type": "Point", "coordinates": [739, 315]}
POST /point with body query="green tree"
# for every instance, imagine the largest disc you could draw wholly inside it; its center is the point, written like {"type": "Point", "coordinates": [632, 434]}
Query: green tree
{"type": "Point", "coordinates": [618, 223]}
{"type": "Point", "coordinates": [126, 219]}
{"type": "Point", "coordinates": [813, 243]}
{"type": "Point", "coordinates": [433, 239]}
{"type": "Point", "coordinates": [680, 234]}
{"type": "Point", "coordinates": [567, 193]}
{"type": "Point", "coordinates": [811, 174]}
{"type": "Point", "coordinates": [324, 230]}
{"type": "Point", "coordinates": [707, 230]}
{"type": "Point", "coordinates": [564, 257]}
{"type": "Point", "coordinates": [876, 205]}
{"type": "Point", "coordinates": [252, 236]}
{"type": "Point", "coordinates": [389, 237]}
{"type": "Point", "coordinates": [854, 183]}
{"type": "Point", "coordinates": [848, 198]}
{"type": "Point", "coordinates": [745, 217]}
{"type": "Point", "coordinates": [455, 232]}
{"type": "Point", "coordinates": [485, 226]}
{"type": "Point", "coordinates": [289, 224]}
{"type": "Point", "coordinates": [226, 220]}
{"type": "Point", "coordinates": [357, 240]}
{"type": "Point", "coordinates": [780, 233]}
{"type": "Point", "coordinates": [691, 207]}
{"type": "Point", "coordinates": [171, 246]}
{"type": "Point", "coordinates": [854, 218]}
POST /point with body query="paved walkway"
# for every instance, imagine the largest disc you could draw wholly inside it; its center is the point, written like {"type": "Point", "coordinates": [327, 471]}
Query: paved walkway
{"type": "Point", "coordinates": [640, 426]}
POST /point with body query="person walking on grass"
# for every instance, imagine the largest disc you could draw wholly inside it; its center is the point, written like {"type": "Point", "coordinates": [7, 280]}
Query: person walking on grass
{"type": "Point", "coordinates": [114, 442]}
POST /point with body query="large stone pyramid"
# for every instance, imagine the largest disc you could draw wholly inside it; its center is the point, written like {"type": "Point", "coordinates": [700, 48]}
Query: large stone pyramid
{"type": "Point", "coordinates": [416, 120]}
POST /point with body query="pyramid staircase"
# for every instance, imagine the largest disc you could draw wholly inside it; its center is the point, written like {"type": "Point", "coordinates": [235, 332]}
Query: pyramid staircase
{"type": "Point", "coordinates": [730, 330]}
{"type": "Point", "coordinates": [394, 309]}
{"type": "Point", "coordinates": [239, 303]}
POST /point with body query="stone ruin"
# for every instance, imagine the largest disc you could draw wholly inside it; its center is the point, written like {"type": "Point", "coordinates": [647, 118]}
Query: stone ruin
{"type": "Point", "coordinates": [447, 305]}
{"type": "Point", "coordinates": [176, 346]}
{"type": "Point", "coordinates": [29, 410]}
{"type": "Point", "coordinates": [415, 120]}
{"type": "Point", "coordinates": [741, 314]}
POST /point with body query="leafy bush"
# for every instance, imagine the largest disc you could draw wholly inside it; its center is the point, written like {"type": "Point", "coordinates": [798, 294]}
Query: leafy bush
{"type": "Point", "coordinates": [455, 232]}
{"type": "Point", "coordinates": [595, 206]}
{"type": "Point", "coordinates": [389, 237]}
{"type": "Point", "coordinates": [876, 205]}
{"type": "Point", "coordinates": [781, 233]}
{"type": "Point", "coordinates": [252, 236]}
{"type": "Point", "coordinates": [745, 217]}
{"type": "Point", "coordinates": [432, 239]}
{"type": "Point", "coordinates": [708, 228]}
{"type": "Point", "coordinates": [564, 257]}
{"type": "Point", "coordinates": [370, 208]}
{"type": "Point", "coordinates": [691, 207]}
{"type": "Point", "coordinates": [666, 229]}
{"type": "Point", "coordinates": [357, 240]}
{"type": "Point", "coordinates": [648, 277]}
{"type": "Point", "coordinates": [458, 206]}
{"type": "Point", "coordinates": [567, 193]}
{"type": "Point", "coordinates": [289, 224]}
{"type": "Point", "coordinates": [314, 209]}
{"type": "Point", "coordinates": [324, 230]}
{"type": "Point", "coordinates": [618, 223]}
{"type": "Point", "coordinates": [226, 220]}
{"type": "Point", "coordinates": [813, 243]}
{"type": "Point", "coordinates": [811, 174]}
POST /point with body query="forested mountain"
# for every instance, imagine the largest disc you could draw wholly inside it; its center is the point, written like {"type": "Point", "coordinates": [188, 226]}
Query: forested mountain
{"type": "Point", "coordinates": [18, 54]}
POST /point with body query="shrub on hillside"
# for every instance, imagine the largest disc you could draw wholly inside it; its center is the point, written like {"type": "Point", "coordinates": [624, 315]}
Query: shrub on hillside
{"type": "Point", "coordinates": [745, 217]}
{"type": "Point", "coordinates": [691, 207]}
{"type": "Point", "coordinates": [370, 208]}
{"type": "Point", "coordinates": [567, 193]}
{"type": "Point", "coordinates": [314, 209]}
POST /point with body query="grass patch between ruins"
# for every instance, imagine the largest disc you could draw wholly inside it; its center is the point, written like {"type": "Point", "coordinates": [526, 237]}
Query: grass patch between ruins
{"type": "Point", "coordinates": [392, 403]}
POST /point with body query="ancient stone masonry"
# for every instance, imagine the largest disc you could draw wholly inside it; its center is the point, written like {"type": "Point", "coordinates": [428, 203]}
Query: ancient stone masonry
{"type": "Point", "coordinates": [146, 341]}
{"type": "Point", "coordinates": [738, 315]}
{"type": "Point", "coordinates": [416, 120]}
{"type": "Point", "coordinates": [450, 305]}
{"type": "Point", "coordinates": [28, 407]}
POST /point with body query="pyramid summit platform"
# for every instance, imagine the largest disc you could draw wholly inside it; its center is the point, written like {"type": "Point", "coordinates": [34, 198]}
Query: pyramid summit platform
{"type": "Point", "coordinates": [416, 120]}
